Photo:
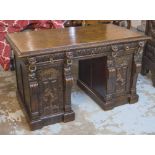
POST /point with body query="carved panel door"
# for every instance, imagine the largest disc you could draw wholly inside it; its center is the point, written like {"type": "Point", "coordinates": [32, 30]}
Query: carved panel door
{"type": "Point", "coordinates": [123, 73]}
{"type": "Point", "coordinates": [51, 89]}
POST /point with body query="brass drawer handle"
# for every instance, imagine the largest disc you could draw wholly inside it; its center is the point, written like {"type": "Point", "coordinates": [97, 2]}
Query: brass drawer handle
{"type": "Point", "coordinates": [69, 62]}
{"type": "Point", "coordinates": [92, 53]}
{"type": "Point", "coordinates": [32, 68]}
{"type": "Point", "coordinates": [127, 48]}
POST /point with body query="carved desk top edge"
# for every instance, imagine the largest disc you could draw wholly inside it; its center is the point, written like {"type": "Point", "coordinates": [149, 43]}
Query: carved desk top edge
{"type": "Point", "coordinates": [73, 47]}
{"type": "Point", "coordinates": [115, 50]}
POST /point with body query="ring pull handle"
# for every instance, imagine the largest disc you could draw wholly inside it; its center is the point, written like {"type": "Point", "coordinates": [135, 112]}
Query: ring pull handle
{"type": "Point", "coordinates": [127, 48]}
{"type": "Point", "coordinates": [32, 68]}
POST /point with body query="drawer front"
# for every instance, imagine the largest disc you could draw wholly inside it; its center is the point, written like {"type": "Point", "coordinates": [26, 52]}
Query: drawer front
{"type": "Point", "coordinates": [123, 49]}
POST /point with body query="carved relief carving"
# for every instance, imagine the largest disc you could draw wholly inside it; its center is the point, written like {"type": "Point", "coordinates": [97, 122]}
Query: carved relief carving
{"type": "Point", "coordinates": [123, 50]}
{"type": "Point", "coordinates": [49, 73]}
{"type": "Point", "coordinates": [33, 83]}
{"type": "Point", "coordinates": [117, 50]}
{"type": "Point", "coordinates": [91, 52]}
{"type": "Point", "coordinates": [122, 61]}
{"type": "Point", "coordinates": [32, 72]}
{"type": "Point", "coordinates": [51, 89]}
{"type": "Point", "coordinates": [117, 63]}
{"type": "Point", "coordinates": [121, 79]}
{"type": "Point", "coordinates": [50, 97]}
{"type": "Point", "coordinates": [139, 52]}
{"type": "Point", "coordinates": [136, 68]}
{"type": "Point", "coordinates": [111, 74]}
{"type": "Point", "coordinates": [68, 81]}
{"type": "Point", "coordinates": [117, 73]}
{"type": "Point", "coordinates": [114, 50]}
{"type": "Point", "coordinates": [110, 62]}
{"type": "Point", "coordinates": [32, 68]}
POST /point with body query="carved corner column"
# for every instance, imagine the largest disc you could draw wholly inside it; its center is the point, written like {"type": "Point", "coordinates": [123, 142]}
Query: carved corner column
{"type": "Point", "coordinates": [136, 68]}
{"type": "Point", "coordinates": [69, 115]}
{"type": "Point", "coordinates": [145, 69]}
{"type": "Point", "coordinates": [33, 85]}
{"type": "Point", "coordinates": [111, 83]}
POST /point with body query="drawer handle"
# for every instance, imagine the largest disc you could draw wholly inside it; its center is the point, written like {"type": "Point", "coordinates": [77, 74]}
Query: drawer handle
{"type": "Point", "coordinates": [32, 68]}
{"type": "Point", "coordinates": [92, 53]}
{"type": "Point", "coordinates": [127, 48]}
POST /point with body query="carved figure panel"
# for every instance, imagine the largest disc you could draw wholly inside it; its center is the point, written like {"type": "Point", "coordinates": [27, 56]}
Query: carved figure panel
{"type": "Point", "coordinates": [51, 92]}
{"type": "Point", "coordinates": [121, 74]}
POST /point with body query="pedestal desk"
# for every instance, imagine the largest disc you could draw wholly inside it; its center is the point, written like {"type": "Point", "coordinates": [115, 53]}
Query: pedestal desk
{"type": "Point", "coordinates": [109, 62]}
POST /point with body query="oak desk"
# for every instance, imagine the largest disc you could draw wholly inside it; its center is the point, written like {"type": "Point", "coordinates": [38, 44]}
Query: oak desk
{"type": "Point", "coordinates": [109, 62]}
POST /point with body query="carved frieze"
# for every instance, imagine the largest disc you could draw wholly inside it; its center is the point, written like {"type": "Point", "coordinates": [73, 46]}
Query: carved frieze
{"type": "Point", "coordinates": [122, 61]}
{"type": "Point", "coordinates": [123, 49]}
{"type": "Point", "coordinates": [47, 74]}
{"type": "Point", "coordinates": [114, 50]}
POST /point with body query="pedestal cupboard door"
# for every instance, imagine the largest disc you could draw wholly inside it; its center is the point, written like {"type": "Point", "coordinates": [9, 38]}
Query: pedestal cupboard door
{"type": "Point", "coordinates": [123, 73]}
{"type": "Point", "coordinates": [51, 89]}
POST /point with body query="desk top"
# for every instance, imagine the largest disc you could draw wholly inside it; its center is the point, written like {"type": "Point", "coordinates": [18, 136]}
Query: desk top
{"type": "Point", "coordinates": [30, 42]}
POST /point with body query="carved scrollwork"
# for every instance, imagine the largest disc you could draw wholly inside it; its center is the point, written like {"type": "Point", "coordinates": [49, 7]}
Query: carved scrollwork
{"type": "Point", "coordinates": [68, 81]}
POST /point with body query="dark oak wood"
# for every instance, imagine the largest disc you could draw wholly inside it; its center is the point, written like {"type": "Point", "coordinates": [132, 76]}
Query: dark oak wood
{"type": "Point", "coordinates": [109, 62]}
{"type": "Point", "coordinates": [148, 61]}
{"type": "Point", "coordinates": [31, 42]}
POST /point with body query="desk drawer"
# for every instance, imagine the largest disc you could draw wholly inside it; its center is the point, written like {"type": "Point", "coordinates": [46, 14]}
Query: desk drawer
{"type": "Point", "coordinates": [123, 49]}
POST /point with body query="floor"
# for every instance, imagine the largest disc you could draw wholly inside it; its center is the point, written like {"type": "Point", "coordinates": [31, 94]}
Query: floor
{"type": "Point", "coordinates": [136, 118]}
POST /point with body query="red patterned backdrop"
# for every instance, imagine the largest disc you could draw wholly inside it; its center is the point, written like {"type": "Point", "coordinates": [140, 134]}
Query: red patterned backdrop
{"type": "Point", "coordinates": [10, 26]}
